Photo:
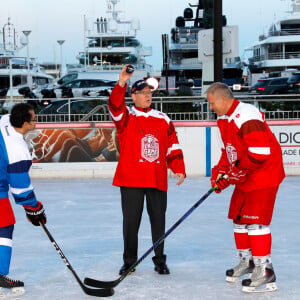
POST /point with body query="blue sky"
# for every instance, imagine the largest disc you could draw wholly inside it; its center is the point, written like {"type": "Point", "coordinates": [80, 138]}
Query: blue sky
{"type": "Point", "coordinates": [53, 20]}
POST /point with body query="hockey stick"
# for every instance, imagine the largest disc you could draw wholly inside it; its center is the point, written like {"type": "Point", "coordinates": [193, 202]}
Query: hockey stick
{"type": "Point", "coordinates": [102, 292]}
{"type": "Point", "coordinates": [114, 283]}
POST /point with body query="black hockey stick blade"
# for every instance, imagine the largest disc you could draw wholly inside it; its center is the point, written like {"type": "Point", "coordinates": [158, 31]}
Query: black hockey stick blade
{"type": "Point", "coordinates": [99, 292]}
{"type": "Point", "coordinates": [114, 283]}
{"type": "Point", "coordinates": [102, 284]}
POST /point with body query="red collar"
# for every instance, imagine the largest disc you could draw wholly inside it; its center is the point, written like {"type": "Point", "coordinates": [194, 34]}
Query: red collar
{"type": "Point", "coordinates": [233, 107]}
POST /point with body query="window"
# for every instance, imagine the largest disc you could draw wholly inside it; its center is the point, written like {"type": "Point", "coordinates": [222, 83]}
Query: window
{"type": "Point", "coordinates": [278, 81]}
{"type": "Point", "coordinates": [40, 80]}
{"type": "Point", "coordinates": [67, 78]}
{"type": "Point", "coordinates": [73, 84]}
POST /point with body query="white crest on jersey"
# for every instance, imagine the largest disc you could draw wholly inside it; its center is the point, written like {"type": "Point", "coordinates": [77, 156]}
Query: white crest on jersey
{"type": "Point", "coordinates": [231, 153]}
{"type": "Point", "coordinates": [150, 147]}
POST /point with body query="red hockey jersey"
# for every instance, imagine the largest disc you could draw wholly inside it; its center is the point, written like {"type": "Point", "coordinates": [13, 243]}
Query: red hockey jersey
{"type": "Point", "coordinates": [148, 144]}
{"type": "Point", "coordinates": [248, 139]}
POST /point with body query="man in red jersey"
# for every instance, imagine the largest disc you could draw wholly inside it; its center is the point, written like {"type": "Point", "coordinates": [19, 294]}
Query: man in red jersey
{"type": "Point", "coordinates": [148, 146]}
{"type": "Point", "coordinates": [252, 161]}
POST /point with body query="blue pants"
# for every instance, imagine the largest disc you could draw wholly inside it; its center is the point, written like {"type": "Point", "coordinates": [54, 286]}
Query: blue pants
{"type": "Point", "coordinates": [6, 234]}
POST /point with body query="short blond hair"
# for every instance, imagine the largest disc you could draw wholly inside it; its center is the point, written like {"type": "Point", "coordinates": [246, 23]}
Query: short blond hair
{"type": "Point", "coordinates": [220, 89]}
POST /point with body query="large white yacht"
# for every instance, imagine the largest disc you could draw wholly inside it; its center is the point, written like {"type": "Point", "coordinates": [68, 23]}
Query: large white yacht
{"type": "Point", "coordinates": [182, 52]}
{"type": "Point", "coordinates": [111, 43]}
{"type": "Point", "coordinates": [18, 71]}
{"type": "Point", "coordinates": [278, 50]}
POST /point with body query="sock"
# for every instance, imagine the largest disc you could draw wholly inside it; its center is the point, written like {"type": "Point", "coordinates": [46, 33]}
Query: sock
{"type": "Point", "coordinates": [260, 243]}
{"type": "Point", "coordinates": [242, 241]}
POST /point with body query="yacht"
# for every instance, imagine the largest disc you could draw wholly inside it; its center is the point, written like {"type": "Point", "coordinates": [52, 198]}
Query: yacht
{"type": "Point", "coordinates": [182, 53]}
{"type": "Point", "coordinates": [278, 51]}
{"type": "Point", "coordinates": [111, 42]}
{"type": "Point", "coordinates": [18, 71]}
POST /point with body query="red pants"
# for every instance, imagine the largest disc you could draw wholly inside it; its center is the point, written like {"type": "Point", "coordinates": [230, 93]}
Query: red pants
{"type": "Point", "coordinates": [7, 217]}
{"type": "Point", "coordinates": [255, 207]}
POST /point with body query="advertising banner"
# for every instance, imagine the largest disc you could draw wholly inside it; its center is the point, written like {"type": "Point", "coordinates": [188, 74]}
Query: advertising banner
{"type": "Point", "coordinates": [200, 141]}
{"type": "Point", "coordinates": [73, 145]}
{"type": "Point", "coordinates": [289, 140]}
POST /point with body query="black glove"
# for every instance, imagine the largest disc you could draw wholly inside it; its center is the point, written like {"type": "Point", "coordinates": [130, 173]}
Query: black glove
{"type": "Point", "coordinates": [36, 214]}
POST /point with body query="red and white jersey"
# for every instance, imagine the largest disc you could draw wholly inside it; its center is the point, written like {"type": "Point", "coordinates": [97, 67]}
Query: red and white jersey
{"type": "Point", "coordinates": [148, 144]}
{"type": "Point", "coordinates": [248, 139]}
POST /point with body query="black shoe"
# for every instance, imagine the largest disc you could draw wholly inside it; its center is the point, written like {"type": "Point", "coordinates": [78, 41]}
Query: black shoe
{"type": "Point", "coordinates": [9, 283]}
{"type": "Point", "coordinates": [125, 268]}
{"type": "Point", "coordinates": [162, 269]}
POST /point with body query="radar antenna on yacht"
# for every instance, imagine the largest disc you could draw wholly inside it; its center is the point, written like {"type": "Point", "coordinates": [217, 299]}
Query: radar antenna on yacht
{"type": "Point", "coordinates": [9, 38]}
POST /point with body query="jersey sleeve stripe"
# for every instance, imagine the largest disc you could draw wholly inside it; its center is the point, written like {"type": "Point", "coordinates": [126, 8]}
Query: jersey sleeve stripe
{"type": "Point", "coordinates": [5, 242]}
{"type": "Point", "coordinates": [27, 198]}
{"type": "Point", "coordinates": [116, 118]}
{"type": "Point", "coordinates": [24, 191]}
{"type": "Point", "coordinates": [177, 156]}
{"type": "Point", "coordinates": [173, 148]}
{"type": "Point", "coordinates": [252, 126]}
{"type": "Point", "coordinates": [19, 167]}
{"type": "Point", "coordinates": [260, 150]}
{"type": "Point", "coordinates": [20, 181]}
{"type": "Point", "coordinates": [171, 128]}
{"type": "Point", "coordinates": [256, 160]}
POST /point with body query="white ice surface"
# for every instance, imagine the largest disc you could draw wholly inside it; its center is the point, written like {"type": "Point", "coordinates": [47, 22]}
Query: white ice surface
{"type": "Point", "coordinates": [84, 216]}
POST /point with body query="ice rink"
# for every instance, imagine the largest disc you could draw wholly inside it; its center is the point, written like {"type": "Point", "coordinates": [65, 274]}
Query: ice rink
{"type": "Point", "coordinates": [84, 216]}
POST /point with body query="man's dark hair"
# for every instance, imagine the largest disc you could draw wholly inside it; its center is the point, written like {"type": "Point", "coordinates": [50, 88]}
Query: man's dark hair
{"type": "Point", "coordinates": [20, 113]}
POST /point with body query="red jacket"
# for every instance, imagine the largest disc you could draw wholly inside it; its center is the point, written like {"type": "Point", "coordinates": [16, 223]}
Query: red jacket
{"type": "Point", "coordinates": [248, 139]}
{"type": "Point", "coordinates": [148, 144]}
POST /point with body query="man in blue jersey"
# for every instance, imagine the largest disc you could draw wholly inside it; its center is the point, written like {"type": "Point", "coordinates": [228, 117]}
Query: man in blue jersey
{"type": "Point", "coordinates": [15, 162]}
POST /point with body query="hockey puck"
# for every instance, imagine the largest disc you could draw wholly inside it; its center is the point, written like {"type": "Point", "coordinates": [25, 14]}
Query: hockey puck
{"type": "Point", "coordinates": [129, 69]}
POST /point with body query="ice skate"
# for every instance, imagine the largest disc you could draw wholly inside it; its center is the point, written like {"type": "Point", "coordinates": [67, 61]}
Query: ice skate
{"type": "Point", "coordinates": [10, 287]}
{"type": "Point", "coordinates": [244, 267]}
{"type": "Point", "coordinates": [262, 280]}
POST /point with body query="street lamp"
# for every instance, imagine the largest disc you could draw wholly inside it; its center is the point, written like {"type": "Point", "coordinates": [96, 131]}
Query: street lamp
{"type": "Point", "coordinates": [60, 42]}
{"type": "Point", "coordinates": [29, 81]}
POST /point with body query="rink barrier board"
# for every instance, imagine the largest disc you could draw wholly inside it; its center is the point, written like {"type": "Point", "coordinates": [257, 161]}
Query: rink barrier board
{"type": "Point", "coordinates": [200, 141]}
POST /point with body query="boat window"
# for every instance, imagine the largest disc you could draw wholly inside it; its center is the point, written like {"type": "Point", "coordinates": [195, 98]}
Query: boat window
{"type": "Point", "coordinates": [4, 82]}
{"type": "Point", "coordinates": [132, 43]}
{"type": "Point", "coordinates": [17, 80]}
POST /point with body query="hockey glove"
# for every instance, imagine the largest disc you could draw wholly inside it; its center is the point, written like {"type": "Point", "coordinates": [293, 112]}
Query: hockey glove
{"type": "Point", "coordinates": [236, 175]}
{"type": "Point", "coordinates": [218, 180]}
{"type": "Point", "coordinates": [36, 214]}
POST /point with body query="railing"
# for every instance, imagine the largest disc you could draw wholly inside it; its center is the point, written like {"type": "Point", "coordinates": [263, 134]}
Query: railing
{"type": "Point", "coordinates": [191, 108]}
{"type": "Point", "coordinates": [285, 31]}
{"type": "Point", "coordinates": [277, 55]}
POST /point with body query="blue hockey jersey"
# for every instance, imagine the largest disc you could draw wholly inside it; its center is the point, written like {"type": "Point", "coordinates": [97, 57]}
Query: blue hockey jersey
{"type": "Point", "coordinates": [15, 162]}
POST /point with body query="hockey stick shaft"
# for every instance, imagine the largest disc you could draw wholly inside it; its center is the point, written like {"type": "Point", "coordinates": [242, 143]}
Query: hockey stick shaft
{"type": "Point", "coordinates": [106, 292]}
{"type": "Point", "coordinates": [112, 284]}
